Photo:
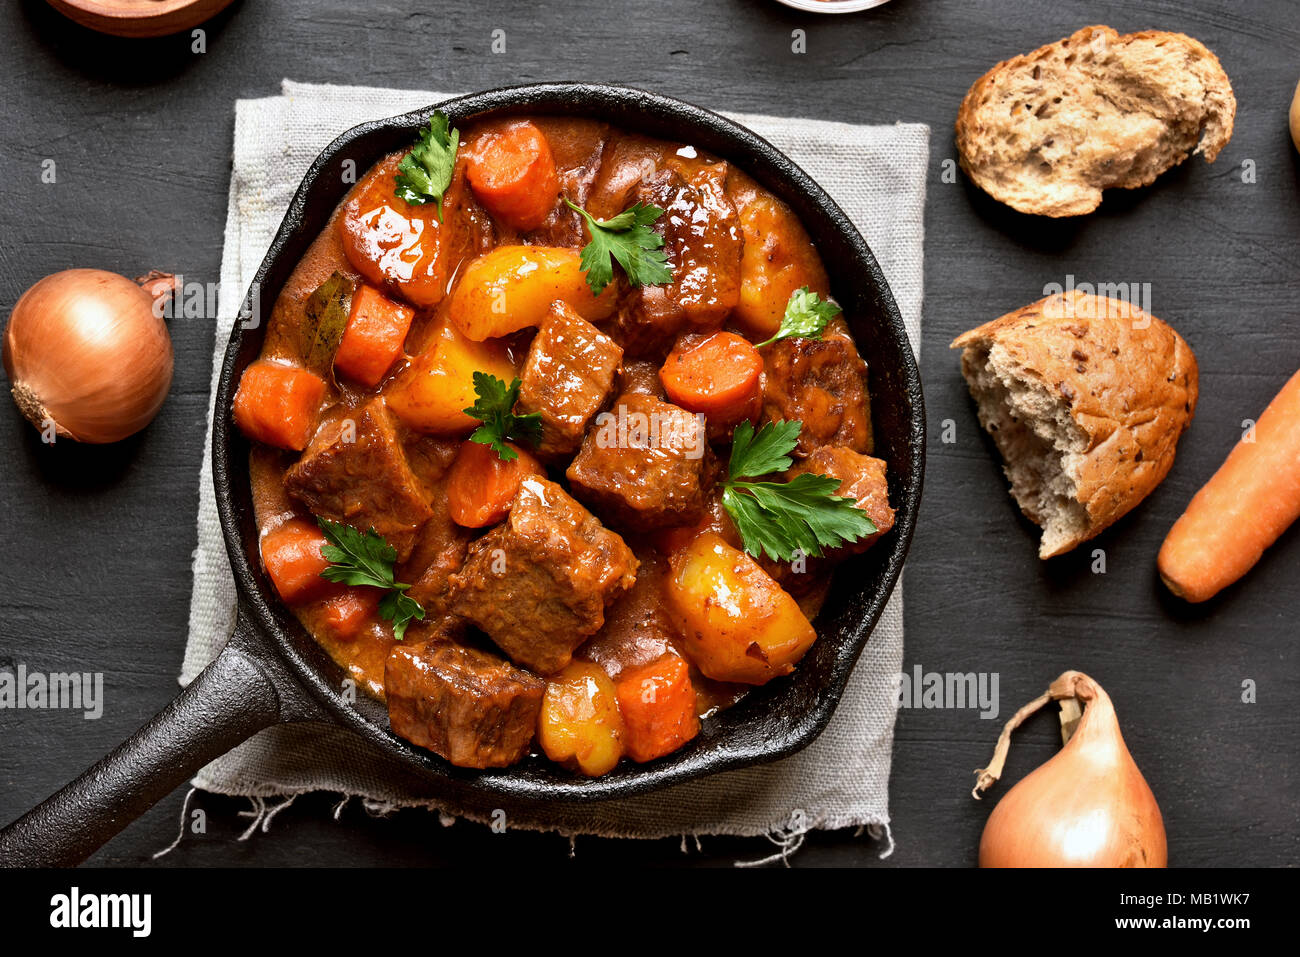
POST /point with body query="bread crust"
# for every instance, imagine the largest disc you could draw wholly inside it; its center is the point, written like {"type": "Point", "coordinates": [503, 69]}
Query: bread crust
{"type": "Point", "coordinates": [1122, 117]}
{"type": "Point", "coordinates": [1129, 380]}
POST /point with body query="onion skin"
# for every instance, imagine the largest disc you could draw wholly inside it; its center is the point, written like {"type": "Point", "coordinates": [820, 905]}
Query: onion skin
{"type": "Point", "coordinates": [84, 350]}
{"type": "Point", "coordinates": [1294, 118]}
{"type": "Point", "coordinates": [1088, 806]}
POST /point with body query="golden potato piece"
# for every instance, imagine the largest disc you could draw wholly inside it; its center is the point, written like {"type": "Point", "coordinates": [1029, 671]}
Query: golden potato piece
{"type": "Point", "coordinates": [737, 624]}
{"type": "Point", "coordinates": [513, 287]}
{"type": "Point", "coordinates": [580, 724]}
{"type": "Point", "coordinates": [778, 258]}
{"type": "Point", "coordinates": [431, 394]}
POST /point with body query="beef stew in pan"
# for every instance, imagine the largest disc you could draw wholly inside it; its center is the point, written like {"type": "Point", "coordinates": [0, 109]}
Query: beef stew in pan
{"type": "Point", "coordinates": [557, 440]}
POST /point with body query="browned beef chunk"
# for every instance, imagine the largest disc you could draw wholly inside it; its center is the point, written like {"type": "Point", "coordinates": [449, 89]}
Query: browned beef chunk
{"type": "Point", "coordinates": [471, 707]}
{"type": "Point", "coordinates": [628, 158]}
{"type": "Point", "coordinates": [567, 377]}
{"type": "Point", "coordinates": [538, 583]}
{"type": "Point", "coordinates": [639, 376]}
{"type": "Point", "coordinates": [703, 240]}
{"type": "Point", "coordinates": [439, 552]}
{"type": "Point", "coordinates": [355, 471]}
{"type": "Point", "coordinates": [648, 321]}
{"type": "Point", "coordinates": [862, 478]}
{"type": "Point", "coordinates": [645, 465]}
{"type": "Point", "coordinates": [638, 628]}
{"type": "Point", "coordinates": [822, 383]}
{"type": "Point", "coordinates": [430, 456]}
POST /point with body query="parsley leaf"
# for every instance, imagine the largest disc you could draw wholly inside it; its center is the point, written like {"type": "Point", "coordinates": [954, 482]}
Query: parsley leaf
{"type": "Point", "coordinates": [769, 451]}
{"type": "Point", "coordinates": [494, 407]}
{"type": "Point", "coordinates": [629, 239]}
{"type": "Point", "coordinates": [425, 173]}
{"type": "Point", "coordinates": [358, 558]}
{"type": "Point", "coordinates": [783, 519]}
{"type": "Point", "coordinates": [806, 315]}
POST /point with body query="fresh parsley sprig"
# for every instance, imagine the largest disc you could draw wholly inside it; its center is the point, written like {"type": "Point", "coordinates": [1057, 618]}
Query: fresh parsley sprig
{"type": "Point", "coordinates": [785, 519]}
{"type": "Point", "coordinates": [494, 407]}
{"type": "Point", "coordinates": [358, 558]}
{"type": "Point", "coordinates": [425, 173]}
{"type": "Point", "coordinates": [806, 316]}
{"type": "Point", "coordinates": [628, 239]}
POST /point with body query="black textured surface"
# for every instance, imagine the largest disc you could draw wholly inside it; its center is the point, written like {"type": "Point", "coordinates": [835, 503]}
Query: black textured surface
{"type": "Point", "coordinates": [229, 701]}
{"type": "Point", "coordinates": [98, 541]}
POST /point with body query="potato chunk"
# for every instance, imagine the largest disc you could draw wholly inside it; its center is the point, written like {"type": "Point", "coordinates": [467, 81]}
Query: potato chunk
{"type": "Point", "coordinates": [512, 287]}
{"type": "Point", "coordinates": [431, 394]}
{"type": "Point", "coordinates": [736, 622]}
{"type": "Point", "coordinates": [580, 724]}
{"type": "Point", "coordinates": [778, 258]}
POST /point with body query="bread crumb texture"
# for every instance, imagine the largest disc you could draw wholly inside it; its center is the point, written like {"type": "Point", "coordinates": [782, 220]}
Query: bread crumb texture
{"type": "Point", "coordinates": [1046, 132]}
{"type": "Point", "coordinates": [1085, 397]}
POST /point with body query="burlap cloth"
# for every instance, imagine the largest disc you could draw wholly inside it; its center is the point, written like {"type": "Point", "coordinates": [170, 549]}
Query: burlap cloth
{"type": "Point", "coordinates": [877, 174]}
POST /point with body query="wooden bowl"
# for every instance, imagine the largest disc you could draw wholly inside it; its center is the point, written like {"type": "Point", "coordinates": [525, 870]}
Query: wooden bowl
{"type": "Point", "coordinates": [832, 6]}
{"type": "Point", "coordinates": [139, 18]}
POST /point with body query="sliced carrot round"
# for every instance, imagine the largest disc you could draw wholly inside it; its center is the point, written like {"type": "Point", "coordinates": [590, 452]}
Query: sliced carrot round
{"type": "Point", "coordinates": [720, 375]}
{"type": "Point", "coordinates": [512, 172]}
{"type": "Point", "coordinates": [480, 486]}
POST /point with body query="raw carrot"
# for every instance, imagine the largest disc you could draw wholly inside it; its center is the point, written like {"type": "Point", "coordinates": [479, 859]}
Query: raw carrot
{"type": "Point", "coordinates": [374, 336]}
{"type": "Point", "coordinates": [512, 172]}
{"type": "Point", "coordinates": [348, 612]}
{"type": "Point", "coordinates": [480, 486]}
{"type": "Point", "coordinates": [278, 404]}
{"type": "Point", "coordinates": [657, 702]}
{"type": "Point", "coordinates": [292, 557]}
{"type": "Point", "coordinates": [720, 375]}
{"type": "Point", "coordinates": [1245, 506]}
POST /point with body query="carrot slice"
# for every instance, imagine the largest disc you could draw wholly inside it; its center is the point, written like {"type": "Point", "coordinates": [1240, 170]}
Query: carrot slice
{"type": "Point", "coordinates": [657, 701]}
{"type": "Point", "coordinates": [278, 404]}
{"type": "Point", "coordinates": [391, 243]}
{"type": "Point", "coordinates": [1245, 506]}
{"type": "Point", "coordinates": [374, 336]}
{"type": "Point", "coordinates": [512, 172]}
{"type": "Point", "coordinates": [720, 375]}
{"type": "Point", "coordinates": [480, 486]}
{"type": "Point", "coordinates": [292, 557]}
{"type": "Point", "coordinates": [349, 611]}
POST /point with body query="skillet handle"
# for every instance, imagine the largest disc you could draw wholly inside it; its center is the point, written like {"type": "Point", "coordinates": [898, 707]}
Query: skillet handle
{"type": "Point", "coordinates": [232, 699]}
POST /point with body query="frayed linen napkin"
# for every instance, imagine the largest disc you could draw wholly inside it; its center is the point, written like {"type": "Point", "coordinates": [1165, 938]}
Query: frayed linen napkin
{"type": "Point", "coordinates": [877, 174]}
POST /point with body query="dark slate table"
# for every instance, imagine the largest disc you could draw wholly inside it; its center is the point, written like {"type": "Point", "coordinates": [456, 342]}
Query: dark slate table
{"type": "Point", "coordinates": [97, 541]}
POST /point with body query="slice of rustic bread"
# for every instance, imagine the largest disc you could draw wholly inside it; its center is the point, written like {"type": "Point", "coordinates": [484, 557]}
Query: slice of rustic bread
{"type": "Point", "coordinates": [1046, 132]}
{"type": "Point", "coordinates": [1085, 397]}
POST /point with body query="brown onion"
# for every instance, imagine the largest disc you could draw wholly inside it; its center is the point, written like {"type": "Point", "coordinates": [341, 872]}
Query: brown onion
{"type": "Point", "coordinates": [1088, 806]}
{"type": "Point", "coordinates": [87, 355]}
{"type": "Point", "coordinates": [1294, 117]}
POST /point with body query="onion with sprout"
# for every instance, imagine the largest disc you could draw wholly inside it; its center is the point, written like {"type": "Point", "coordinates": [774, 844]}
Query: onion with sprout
{"type": "Point", "coordinates": [1088, 806]}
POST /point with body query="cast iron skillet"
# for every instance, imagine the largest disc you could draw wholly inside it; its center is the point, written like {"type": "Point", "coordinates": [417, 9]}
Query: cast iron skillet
{"type": "Point", "coordinates": [272, 671]}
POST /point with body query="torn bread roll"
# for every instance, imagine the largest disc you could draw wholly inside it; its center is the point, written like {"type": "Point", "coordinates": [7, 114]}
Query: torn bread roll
{"type": "Point", "coordinates": [1085, 397]}
{"type": "Point", "coordinates": [1046, 132]}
